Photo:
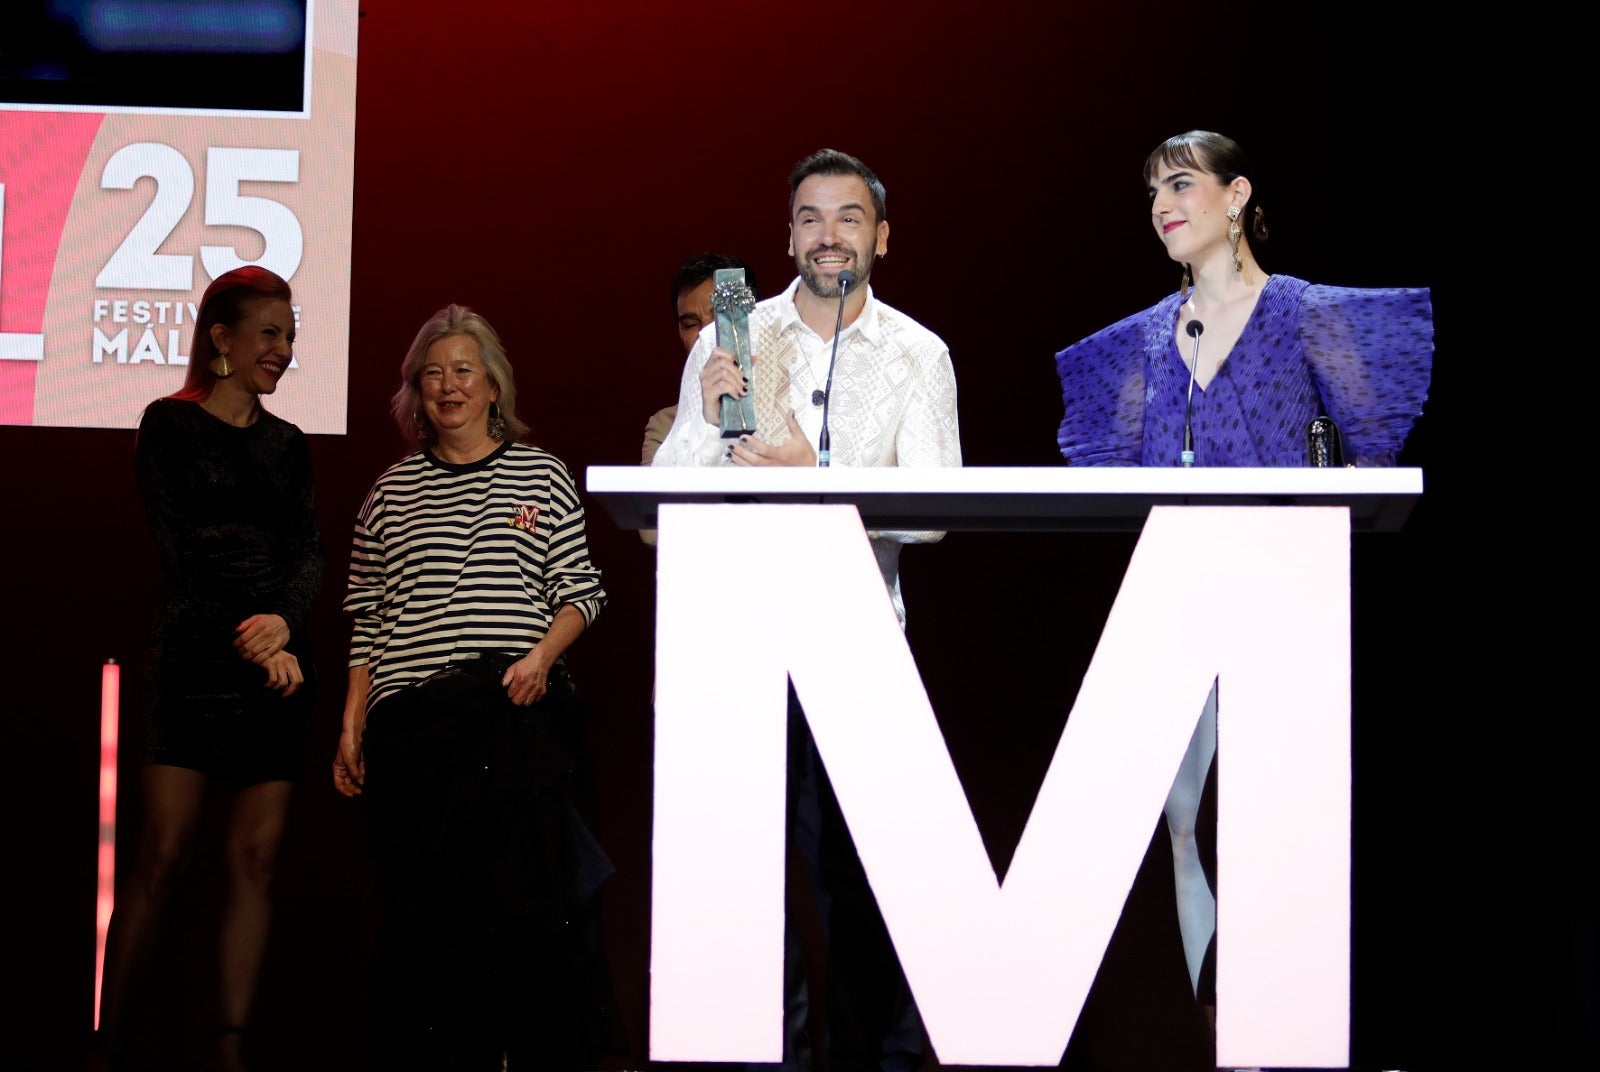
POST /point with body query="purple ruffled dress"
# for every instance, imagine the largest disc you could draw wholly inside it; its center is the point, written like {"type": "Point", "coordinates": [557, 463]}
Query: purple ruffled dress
{"type": "Point", "coordinates": [1363, 357]}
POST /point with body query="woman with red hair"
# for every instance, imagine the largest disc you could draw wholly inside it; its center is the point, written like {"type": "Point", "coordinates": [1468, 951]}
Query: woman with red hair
{"type": "Point", "coordinates": [228, 495]}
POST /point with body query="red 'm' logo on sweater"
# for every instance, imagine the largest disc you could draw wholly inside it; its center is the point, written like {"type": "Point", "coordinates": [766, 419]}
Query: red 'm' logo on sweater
{"type": "Point", "coordinates": [526, 518]}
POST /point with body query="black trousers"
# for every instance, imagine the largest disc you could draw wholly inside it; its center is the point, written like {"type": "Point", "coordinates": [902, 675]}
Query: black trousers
{"type": "Point", "coordinates": [490, 947]}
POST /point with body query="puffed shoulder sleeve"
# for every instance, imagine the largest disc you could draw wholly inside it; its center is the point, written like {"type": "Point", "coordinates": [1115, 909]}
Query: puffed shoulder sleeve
{"type": "Point", "coordinates": [1102, 395]}
{"type": "Point", "coordinates": [1371, 353]}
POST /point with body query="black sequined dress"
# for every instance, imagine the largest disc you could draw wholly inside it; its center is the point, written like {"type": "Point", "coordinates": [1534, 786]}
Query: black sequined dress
{"type": "Point", "coordinates": [233, 514]}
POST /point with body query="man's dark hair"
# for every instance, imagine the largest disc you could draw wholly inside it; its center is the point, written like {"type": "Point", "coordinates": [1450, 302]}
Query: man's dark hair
{"type": "Point", "coordinates": [697, 269]}
{"type": "Point", "coordinates": [833, 162]}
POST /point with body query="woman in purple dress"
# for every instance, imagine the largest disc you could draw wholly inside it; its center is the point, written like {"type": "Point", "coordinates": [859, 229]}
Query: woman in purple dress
{"type": "Point", "coordinates": [1273, 353]}
{"type": "Point", "coordinates": [1233, 370]}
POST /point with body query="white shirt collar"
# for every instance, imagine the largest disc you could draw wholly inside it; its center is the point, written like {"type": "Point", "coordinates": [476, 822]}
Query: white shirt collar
{"type": "Point", "coordinates": [867, 323]}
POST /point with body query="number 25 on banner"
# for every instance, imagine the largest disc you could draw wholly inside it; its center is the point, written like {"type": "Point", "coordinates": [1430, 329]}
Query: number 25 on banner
{"type": "Point", "coordinates": [15, 346]}
{"type": "Point", "coordinates": [136, 264]}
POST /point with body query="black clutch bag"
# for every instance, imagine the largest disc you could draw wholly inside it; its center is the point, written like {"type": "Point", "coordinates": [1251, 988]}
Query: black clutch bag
{"type": "Point", "coordinates": [1324, 445]}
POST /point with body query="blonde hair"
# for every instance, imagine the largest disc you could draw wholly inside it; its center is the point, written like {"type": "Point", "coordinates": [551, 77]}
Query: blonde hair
{"type": "Point", "coordinates": [406, 405]}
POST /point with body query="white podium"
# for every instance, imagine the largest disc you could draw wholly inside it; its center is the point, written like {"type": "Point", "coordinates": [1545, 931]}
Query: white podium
{"type": "Point", "coordinates": [1010, 499]}
{"type": "Point", "coordinates": [1000, 970]}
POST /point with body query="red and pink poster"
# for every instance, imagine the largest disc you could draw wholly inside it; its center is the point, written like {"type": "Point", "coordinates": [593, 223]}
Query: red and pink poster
{"type": "Point", "coordinates": [114, 219]}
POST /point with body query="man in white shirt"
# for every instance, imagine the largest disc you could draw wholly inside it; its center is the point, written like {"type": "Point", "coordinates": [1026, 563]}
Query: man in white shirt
{"type": "Point", "coordinates": [893, 387]}
{"type": "Point", "coordinates": [891, 401]}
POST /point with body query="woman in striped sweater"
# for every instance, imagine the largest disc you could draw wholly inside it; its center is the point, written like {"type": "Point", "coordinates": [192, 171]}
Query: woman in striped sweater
{"type": "Point", "coordinates": [470, 579]}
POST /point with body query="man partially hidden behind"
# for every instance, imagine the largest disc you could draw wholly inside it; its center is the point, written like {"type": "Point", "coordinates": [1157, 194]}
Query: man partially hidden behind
{"type": "Point", "coordinates": [893, 404]}
{"type": "Point", "coordinates": [691, 298]}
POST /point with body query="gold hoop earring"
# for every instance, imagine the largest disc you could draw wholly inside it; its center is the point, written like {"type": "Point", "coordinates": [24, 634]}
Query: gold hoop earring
{"type": "Point", "coordinates": [1235, 232]}
{"type": "Point", "coordinates": [220, 367]}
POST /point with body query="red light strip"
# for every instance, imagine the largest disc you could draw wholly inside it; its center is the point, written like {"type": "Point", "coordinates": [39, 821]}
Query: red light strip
{"type": "Point", "coordinates": [110, 689]}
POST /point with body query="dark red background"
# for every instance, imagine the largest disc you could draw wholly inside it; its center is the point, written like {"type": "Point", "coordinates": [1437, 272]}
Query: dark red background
{"type": "Point", "coordinates": [550, 166]}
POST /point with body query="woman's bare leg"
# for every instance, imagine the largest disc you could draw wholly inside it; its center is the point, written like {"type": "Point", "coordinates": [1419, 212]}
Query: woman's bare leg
{"type": "Point", "coordinates": [170, 815]}
{"type": "Point", "coordinates": [255, 831]}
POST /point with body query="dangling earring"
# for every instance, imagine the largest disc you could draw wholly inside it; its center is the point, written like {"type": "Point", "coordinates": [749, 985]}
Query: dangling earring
{"type": "Point", "coordinates": [219, 366]}
{"type": "Point", "coordinates": [1185, 283]}
{"type": "Point", "coordinates": [420, 426]}
{"type": "Point", "coordinates": [497, 426]}
{"type": "Point", "coordinates": [1235, 232]}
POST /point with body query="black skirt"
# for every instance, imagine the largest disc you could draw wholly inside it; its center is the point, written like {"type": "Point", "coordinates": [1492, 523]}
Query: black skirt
{"type": "Point", "coordinates": [209, 709]}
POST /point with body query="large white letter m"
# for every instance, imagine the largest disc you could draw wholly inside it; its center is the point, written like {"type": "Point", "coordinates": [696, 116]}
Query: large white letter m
{"type": "Point", "coordinates": [999, 969]}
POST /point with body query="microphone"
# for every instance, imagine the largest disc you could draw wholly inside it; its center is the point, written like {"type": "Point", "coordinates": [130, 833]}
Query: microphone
{"type": "Point", "coordinates": [1195, 330]}
{"type": "Point", "coordinates": [846, 281]}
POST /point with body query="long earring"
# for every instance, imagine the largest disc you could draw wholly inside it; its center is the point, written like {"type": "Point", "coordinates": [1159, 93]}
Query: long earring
{"type": "Point", "coordinates": [497, 426]}
{"type": "Point", "coordinates": [1185, 283]}
{"type": "Point", "coordinates": [220, 367]}
{"type": "Point", "coordinates": [1235, 232]}
{"type": "Point", "coordinates": [420, 426]}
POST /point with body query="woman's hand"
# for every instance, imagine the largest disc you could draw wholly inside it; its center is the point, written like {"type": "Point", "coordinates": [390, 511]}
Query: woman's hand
{"type": "Point", "coordinates": [349, 765]}
{"type": "Point", "coordinates": [260, 637]}
{"type": "Point", "coordinates": [283, 673]}
{"type": "Point", "coordinates": [527, 679]}
{"type": "Point", "coordinates": [350, 762]}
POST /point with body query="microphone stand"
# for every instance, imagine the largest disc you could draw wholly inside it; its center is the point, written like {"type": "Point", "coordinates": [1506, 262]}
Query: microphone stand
{"type": "Point", "coordinates": [823, 451]}
{"type": "Point", "coordinates": [1195, 330]}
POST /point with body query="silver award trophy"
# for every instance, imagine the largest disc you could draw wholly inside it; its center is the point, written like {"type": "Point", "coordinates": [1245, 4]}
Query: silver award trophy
{"type": "Point", "coordinates": [731, 301]}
